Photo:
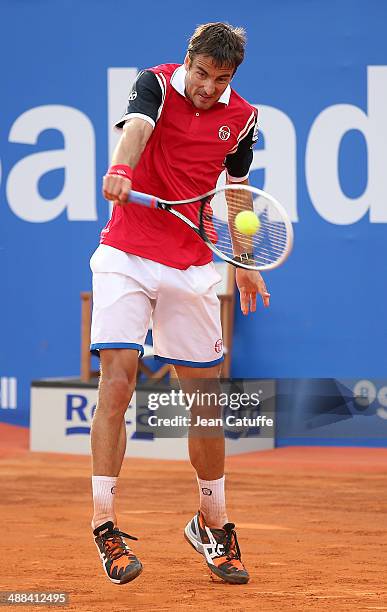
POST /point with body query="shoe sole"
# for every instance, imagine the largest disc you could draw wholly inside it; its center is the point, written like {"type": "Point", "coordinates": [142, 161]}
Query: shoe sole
{"type": "Point", "coordinates": [229, 578]}
{"type": "Point", "coordinates": [198, 546]}
{"type": "Point", "coordinates": [128, 577]}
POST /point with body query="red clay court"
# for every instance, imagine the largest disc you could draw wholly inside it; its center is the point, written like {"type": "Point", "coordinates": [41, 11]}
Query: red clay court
{"type": "Point", "coordinates": [311, 522]}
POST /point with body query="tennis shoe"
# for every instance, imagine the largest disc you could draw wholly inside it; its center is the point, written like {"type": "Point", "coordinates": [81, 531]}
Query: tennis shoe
{"type": "Point", "coordinates": [220, 549]}
{"type": "Point", "coordinates": [119, 562]}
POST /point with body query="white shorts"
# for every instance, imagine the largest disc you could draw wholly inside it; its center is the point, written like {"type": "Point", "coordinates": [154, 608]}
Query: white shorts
{"type": "Point", "coordinates": [129, 292]}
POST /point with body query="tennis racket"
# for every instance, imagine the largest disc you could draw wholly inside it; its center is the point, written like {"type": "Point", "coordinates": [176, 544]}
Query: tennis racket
{"type": "Point", "coordinates": [213, 219]}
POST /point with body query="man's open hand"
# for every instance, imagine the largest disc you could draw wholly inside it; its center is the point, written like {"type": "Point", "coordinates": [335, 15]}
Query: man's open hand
{"type": "Point", "coordinates": [249, 283]}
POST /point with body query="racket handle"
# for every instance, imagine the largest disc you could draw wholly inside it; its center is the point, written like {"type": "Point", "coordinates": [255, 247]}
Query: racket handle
{"type": "Point", "coordinates": [143, 198]}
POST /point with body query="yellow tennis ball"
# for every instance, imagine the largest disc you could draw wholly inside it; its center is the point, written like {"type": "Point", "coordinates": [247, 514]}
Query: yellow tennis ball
{"type": "Point", "coordinates": [247, 222]}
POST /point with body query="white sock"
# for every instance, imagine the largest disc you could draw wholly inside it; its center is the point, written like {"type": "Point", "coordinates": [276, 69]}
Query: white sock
{"type": "Point", "coordinates": [104, 489]}
{"type": "Point", "coordinates": [212, 502]}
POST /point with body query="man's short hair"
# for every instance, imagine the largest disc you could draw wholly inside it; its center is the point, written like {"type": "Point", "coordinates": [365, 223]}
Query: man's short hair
{"type": "Point", "coordinates": [221, 41]}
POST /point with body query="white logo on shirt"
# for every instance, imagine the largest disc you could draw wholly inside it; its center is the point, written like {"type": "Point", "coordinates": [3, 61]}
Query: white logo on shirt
{"type": "Point", "coordinates": [132, 95]}
{"type": "Point", "coordinates": [255, 133]}
{"type": "Point", "coordinates": [224, 132]}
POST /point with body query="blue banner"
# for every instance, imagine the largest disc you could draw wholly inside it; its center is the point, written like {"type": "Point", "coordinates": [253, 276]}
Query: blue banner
{"type": "Point", "coordinates": [318, 73]}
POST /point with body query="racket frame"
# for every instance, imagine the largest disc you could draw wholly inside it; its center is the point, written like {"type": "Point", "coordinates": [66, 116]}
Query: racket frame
{"type": "Point", "coordinates": [154, 202]}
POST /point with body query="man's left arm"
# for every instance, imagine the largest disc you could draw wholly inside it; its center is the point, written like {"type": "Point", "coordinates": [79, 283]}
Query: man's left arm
{"type": "Point", "coordinates": [249, 282]}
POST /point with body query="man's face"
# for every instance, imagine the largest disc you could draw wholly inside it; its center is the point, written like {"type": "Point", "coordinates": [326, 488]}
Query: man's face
{"type": "Point", "coordinates": [204, 82]}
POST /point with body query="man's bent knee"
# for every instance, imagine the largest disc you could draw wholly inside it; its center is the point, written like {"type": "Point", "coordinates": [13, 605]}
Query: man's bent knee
{"type": "Point", "coordinates": [115, 392]}
{"type": "Point", "coordinates": [118, 381]}
{"type": "Point", "coordinates": [119, 362]}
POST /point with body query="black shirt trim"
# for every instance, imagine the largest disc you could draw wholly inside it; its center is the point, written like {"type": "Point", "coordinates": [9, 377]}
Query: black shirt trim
{"type": "Point", "coordinates": [144, 98]}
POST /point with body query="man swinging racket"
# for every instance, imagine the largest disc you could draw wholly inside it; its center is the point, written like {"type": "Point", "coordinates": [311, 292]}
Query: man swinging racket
{"type": "Point", "coordinates": [183, 126]}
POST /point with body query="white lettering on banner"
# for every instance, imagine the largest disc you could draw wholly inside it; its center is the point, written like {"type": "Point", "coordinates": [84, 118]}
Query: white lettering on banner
{"type": "Point", "coordinates": [78, 195]}
{"type": "Point", "coordinates": [279, 132]}
{"type": "Point", "coordinates": [322, 151]}
{"type": "Point", "coordinates": [8, 392]}
{"type": "Point", "coordinates": [278, 158]}
{"type": "Point", "coordinates": [120, 81]}
{"type": "Point", "coordinates": [366, 393]}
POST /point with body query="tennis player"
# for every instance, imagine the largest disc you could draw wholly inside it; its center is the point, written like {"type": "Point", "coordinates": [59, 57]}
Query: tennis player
{"type": "Point", "coordinates": [183, 126]}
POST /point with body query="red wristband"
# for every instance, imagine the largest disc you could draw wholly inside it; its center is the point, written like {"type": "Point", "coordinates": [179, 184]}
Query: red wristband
{"type": "Point", "coordinates": [121, 170]}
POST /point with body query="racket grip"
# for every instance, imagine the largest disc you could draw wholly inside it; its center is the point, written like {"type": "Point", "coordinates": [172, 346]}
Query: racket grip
{"type": "Point", "coordinates": [143, 198]}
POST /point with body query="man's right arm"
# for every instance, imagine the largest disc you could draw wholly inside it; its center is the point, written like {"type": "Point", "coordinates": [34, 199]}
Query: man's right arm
{"type": "Point", "coordinates": [136, 134]}
{"type": "Point", "coordinates": [137, 125]}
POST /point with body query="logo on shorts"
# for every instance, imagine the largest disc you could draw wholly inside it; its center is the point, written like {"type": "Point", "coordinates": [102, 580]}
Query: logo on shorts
{"type": "Point", "coordinates": [133, 95]}
{"type": "Point", "coordinates": [206, 491]}
{"type": "Point", "coordinates": [224, 132]}
{"type": "Point", "coordinates": [218, 345]}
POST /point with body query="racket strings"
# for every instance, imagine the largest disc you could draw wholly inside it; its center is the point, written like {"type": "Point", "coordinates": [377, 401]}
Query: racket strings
{"type": "Point", "coordinates": [265, 246]}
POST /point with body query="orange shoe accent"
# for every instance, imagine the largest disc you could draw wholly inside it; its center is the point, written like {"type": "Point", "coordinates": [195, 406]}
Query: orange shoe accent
{"type": "Point", "coordinates": [119, 562]}
{"type": "Point", "coordinates": [220, 549]}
